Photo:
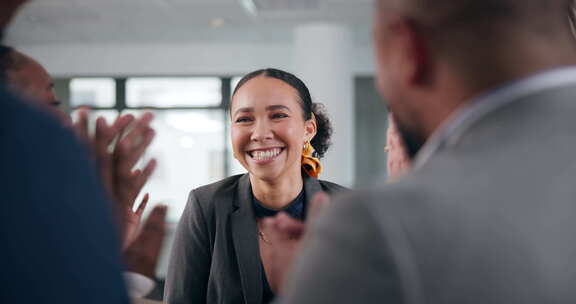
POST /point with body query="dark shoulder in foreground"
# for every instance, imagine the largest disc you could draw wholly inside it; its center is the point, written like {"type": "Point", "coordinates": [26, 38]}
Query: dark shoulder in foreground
{"type": "Point", "coordinates": [331, 187]}
{"type": "Point", "coordinates": [17, 117]}
{"type": "Point", "coordinates": [67, 232]}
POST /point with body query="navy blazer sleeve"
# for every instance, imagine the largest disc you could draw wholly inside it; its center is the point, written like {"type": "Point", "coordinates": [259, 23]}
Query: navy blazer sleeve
{"type": "Point", "coordinates": [58, 241]}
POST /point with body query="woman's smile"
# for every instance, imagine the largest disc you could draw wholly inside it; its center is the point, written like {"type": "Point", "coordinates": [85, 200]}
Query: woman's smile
{"type": "Point", "coordinates": [266, 155]}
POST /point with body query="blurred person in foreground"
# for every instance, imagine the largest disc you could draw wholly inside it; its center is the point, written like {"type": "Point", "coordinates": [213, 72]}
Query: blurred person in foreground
{"type": "Point", "coordinates": [116, 149]}
{"type": "Point", "coordinates": [57, 234]}
{"type": "Point", "coordinates": [488, 212]}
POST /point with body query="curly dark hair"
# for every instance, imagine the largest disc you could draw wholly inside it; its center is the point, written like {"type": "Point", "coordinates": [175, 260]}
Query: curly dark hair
{"type": "Point", "coordinates": [321, 141]}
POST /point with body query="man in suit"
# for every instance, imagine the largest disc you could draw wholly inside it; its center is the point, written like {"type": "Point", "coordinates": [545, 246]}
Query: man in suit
{"type": "Point", "coordinates": [57, 235]}
{"type": "Point", "coordinates": [483, 93]}
{"type": "Point", "coordinates": [28, 78]}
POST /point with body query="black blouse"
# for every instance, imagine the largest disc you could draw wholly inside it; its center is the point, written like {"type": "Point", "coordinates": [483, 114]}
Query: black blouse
{"type": "Point", "coordinates": [297, 210]}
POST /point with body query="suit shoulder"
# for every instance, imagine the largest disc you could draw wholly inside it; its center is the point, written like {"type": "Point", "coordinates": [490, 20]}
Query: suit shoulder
{"type": "Point", "coordinates": [226, 184]}
{"type": "Point", "coordinates": [20, 119]}
{"type": "Point", "coordinates": [396, 198]}
{"type": "Point", "coordinates": [331, 187]}
{"type": "Point", "coordinates": [207, 194]}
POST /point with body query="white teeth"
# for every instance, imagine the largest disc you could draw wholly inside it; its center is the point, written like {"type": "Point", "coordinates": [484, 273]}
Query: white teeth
{"type": "Point", "coordinates": [266, 155]}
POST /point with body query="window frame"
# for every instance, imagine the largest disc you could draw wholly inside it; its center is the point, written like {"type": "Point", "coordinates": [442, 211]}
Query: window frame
{"type": "Point", "coordinates": [120, 104]}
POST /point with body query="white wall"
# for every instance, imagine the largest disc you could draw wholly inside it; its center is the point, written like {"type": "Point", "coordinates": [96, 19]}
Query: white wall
{"type": "Point", "coordinates": [173, 59]}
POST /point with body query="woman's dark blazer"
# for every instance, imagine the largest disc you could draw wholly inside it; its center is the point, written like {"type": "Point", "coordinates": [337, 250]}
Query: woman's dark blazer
{"type": "Point", "coordinates": [215, 257]}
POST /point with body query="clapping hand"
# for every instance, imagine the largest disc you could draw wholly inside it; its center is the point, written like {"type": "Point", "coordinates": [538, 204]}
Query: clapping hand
{"type": "Point", "coordinates": [142, 254]}
{"type": "Point", "coordinates": [287, 233]}
{"type": "Point", "coordinates": [398, 163]}
{"type": "Point", "coordinates": [117, 148]}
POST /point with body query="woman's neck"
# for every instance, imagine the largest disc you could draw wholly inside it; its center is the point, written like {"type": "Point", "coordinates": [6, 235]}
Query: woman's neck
{"type": "Point", "coordinates": [279, 193]}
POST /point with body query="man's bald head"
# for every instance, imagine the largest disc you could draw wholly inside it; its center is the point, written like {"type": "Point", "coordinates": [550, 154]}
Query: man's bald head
{"type": "Point", "coordinates": [27, 77]}
{"type": "Point", "coordinates": [435, 55]}
{"type": "Point", "coordinates": [460, 26]}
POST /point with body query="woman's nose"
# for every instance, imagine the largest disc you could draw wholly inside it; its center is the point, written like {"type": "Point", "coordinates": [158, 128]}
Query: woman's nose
{"type": "Point", "coordinates": [262, 131]}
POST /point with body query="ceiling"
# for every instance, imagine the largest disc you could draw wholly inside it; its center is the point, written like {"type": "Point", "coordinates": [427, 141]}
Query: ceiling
{"type": "Point", "coordinates": [180, 21]}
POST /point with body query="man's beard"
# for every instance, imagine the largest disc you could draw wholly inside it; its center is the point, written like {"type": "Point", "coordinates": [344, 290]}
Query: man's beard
{"type": "Point", "coordinates": [413, 141]}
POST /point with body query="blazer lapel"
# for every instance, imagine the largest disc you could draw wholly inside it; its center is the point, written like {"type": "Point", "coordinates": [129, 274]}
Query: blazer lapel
{"type": "Point", "coordinates": [311, 187]}
{"type": "Point", "coordinates": [245, 236]}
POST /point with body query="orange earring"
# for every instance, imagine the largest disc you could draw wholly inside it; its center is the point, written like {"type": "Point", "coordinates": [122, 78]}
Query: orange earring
{"type": "Point", "coordinates": [310, 164]}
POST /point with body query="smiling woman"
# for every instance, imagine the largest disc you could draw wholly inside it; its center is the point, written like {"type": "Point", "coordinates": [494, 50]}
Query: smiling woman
{"type": "Point", "coordinates": [221, 253]}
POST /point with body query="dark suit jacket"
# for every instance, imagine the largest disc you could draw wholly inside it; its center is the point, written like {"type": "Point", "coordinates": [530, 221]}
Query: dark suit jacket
{"type": "Point", "coordinates": [216, 257]}
{"type": "Point", "coordinates": [489, 219]}
{"type": "Point", "coordinates": [58, 241]}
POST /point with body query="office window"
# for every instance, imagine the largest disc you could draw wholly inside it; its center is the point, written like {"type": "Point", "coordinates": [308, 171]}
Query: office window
{"type": "Point", "coordinates": [190, 149]}
{"type": "Point", "coordinates": [174, 92]}
{"type": "Point", "coordinates": [92, 92]}
{"type": "Point", "coordinates": [192, 141]}
{"type": "Point", "coordinates": [233, 83]}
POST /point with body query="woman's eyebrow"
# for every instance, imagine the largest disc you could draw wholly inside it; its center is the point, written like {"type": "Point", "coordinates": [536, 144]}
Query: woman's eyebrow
{"type": "Point", "coordinates": [244, 110]}
{"type": "Point", "coordinates": [277, 107]}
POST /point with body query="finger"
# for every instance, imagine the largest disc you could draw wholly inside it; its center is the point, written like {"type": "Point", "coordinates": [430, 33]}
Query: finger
{"type": "Point", "coordinates": [103, 136]}
{"type": "Point", "coordinates": [148, 243]}
{"type": "Point", "coordinates": [156, 221]}
{"type": "Point", "coordinates": [100, 143]}
{"type": "Point", "coordinates": [282, 228]}
{"type": "Point", "coordinates": [319, 201]}
{"type": "Point", "coordinates": [142, 205]}
{"type": "Point", "coordinates": [289, 226]}
{"type": "Point", "coordinates": [139, 147]}
{"type": "Point", "coordinates": [121, 124]}
{"type": "Point", "coordinates": [118, 126]}
{"type": "Point", "coordinates": [131, 148]}
{"type": "Point", "coordinates": [123, 121]}
{"type": "Point", "coordinates": [81, 126]}
{"type": "Point", "coordinates": [142, 178]}
{"type": "Point", "coordinates": [140, 124]}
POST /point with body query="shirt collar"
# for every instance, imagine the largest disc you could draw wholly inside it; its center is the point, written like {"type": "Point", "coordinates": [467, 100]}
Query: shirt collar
{"type": "Point", "coordinates": [296, 209]}
{"type": "Point", "coordinates": [458, 123]}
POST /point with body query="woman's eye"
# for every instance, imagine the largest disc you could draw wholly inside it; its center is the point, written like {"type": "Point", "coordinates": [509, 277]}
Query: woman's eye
{"type": "Point", "coordinates": [242, 119]}
{"type": "Point", "coordinates": [279, 115]}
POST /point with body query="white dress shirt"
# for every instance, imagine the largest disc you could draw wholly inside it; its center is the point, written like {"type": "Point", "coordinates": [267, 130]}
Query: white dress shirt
{"type": "Point", "coordinates": [138, 285]}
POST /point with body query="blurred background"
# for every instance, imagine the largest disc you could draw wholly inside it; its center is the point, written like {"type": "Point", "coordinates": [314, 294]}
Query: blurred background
{"type": "Point", "coordinates": [182, 58]}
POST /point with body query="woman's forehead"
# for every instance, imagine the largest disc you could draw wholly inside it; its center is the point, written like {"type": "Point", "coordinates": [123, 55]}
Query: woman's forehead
{"type": "Point", "coordinates": [261, 92]}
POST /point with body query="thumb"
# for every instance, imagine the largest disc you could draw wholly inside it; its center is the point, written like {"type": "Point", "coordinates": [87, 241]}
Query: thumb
{"type": "Point", "coordinates": [319, 201]}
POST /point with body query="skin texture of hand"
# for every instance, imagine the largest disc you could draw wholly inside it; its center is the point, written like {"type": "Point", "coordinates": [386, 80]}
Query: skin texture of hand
{"type": "Point", "coordinates": [142, 254]}
{"type": "Point", "coordinates": [132, 223]}
{"type": "Point", "coordinates": [286, 234]}
{"type": "Point", "coordinates": [398, 161]}
{"type": "Point", "coordinates": [117, 148]}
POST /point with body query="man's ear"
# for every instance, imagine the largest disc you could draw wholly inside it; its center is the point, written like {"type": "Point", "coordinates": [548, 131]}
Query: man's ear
{"type": "Point", "coordinates": [412, 55]}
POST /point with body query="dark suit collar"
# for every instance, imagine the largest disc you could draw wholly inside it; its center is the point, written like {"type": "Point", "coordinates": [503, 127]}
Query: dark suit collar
{"type": "Point", "coordinates": [311, 187]}
{"type": "Point", "coordinates": [245, 236]}
{"type": "Point", "coordinates": [244, 193]}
